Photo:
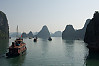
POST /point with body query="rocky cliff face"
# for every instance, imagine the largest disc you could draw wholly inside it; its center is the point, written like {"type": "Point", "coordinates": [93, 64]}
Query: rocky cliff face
{"type": "Point", "coordinates": [81, 32]}
{"type": "Point", "coordinates": [92, 30]}
{"type": "Point", "coordinates": [86, 23]}
{"type": "Point", "coordinates": [4, 28]}
{"type": "Point", "coordinates": [44, 33]}
{"type": "Point", "coordinates": [71, 34]}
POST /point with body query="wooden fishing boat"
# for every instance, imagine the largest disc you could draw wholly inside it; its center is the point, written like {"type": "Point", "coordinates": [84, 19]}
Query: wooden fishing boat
{"type": "Point", "coordinates": [17, 48]}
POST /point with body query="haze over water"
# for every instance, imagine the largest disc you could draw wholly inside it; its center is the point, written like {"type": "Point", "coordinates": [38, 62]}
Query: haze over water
{"type": "Point", "coordinates": [57, 52]}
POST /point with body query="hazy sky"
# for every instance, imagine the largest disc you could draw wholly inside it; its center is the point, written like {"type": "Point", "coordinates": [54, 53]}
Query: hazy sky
{"type": "Point", "coordinates": [31, 15]}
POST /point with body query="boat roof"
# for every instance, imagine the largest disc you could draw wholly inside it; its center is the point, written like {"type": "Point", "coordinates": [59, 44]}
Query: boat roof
{"type": "Point", "coordinates": [18, 40]}
{"type": "Point", "coordinates": [21, 45]}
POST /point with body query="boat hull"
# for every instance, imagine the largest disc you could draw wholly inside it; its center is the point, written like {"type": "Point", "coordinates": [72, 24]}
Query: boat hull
{"type": "Point", "coordinates": [15, 54]}
{"type": "Point", "coordinates": [35, 40]}
{"type": "Point", "coordinates": [12, 55]}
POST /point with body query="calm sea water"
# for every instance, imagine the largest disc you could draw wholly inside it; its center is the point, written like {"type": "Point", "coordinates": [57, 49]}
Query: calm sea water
{"type": "Point", "coordinates": [57, 52]}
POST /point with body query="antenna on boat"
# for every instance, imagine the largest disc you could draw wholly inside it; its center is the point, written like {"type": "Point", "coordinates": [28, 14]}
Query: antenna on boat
{"type": "Point", "coordinates": [17, 31]}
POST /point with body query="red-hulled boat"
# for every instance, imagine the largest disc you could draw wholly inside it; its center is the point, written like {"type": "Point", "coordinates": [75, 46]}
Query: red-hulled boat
{"type": "Point", "coordinates": [17, 48]}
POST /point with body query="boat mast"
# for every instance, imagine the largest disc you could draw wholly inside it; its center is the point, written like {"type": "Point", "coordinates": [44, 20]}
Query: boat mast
{"type": "Point", "coordinates": [17, 31]}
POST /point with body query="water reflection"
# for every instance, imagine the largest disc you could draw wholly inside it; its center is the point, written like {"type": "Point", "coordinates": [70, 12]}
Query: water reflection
{"type": "Point", "coordinates": [16, 61]}
{"type": "Point", "coordinates": [3, 46]}
{"type": "Point", "coordinates": [69, 46]}
{"type": "Point", "coordinates": [57, 52]}
{"type": "Point", "coordinates": [69, 41]}
{"type": "Point", "coordinates": [92, 59]}
{"type": "Point", "coordinates": [69, 51]}
{"type": "Point", "coordinates": [44, 46]}
{"type": "Point", "coordinates": [75, 52]}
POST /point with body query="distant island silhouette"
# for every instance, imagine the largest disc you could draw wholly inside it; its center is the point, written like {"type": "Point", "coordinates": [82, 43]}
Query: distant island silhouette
{"type": "Point", "coordinates": [30, 34]}
{"type": "Point", "coordinates": [44, 33]}
{"type": "Point", "coordinates": [56, 34]}
{"type": "Point", "coordinates": [71, 34]}
{"type": "Point", "coordinates": [24, 35]}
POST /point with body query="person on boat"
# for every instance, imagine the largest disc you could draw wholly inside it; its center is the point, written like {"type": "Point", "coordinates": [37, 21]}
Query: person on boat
{"type": "Point", "coordinates": [17, 44]}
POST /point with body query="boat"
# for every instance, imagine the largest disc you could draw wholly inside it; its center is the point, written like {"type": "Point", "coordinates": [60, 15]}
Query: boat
{"type": "Point", "coordinates": [30, 37]}
{"type": "Point", "coordinates": [17, 48]}
{"type": "Point", "coordinates": [35, 39]}
{"type": "Point", "coordinates": [9, 37]}
{"type": "Point", "coordinates": [50, 39]}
